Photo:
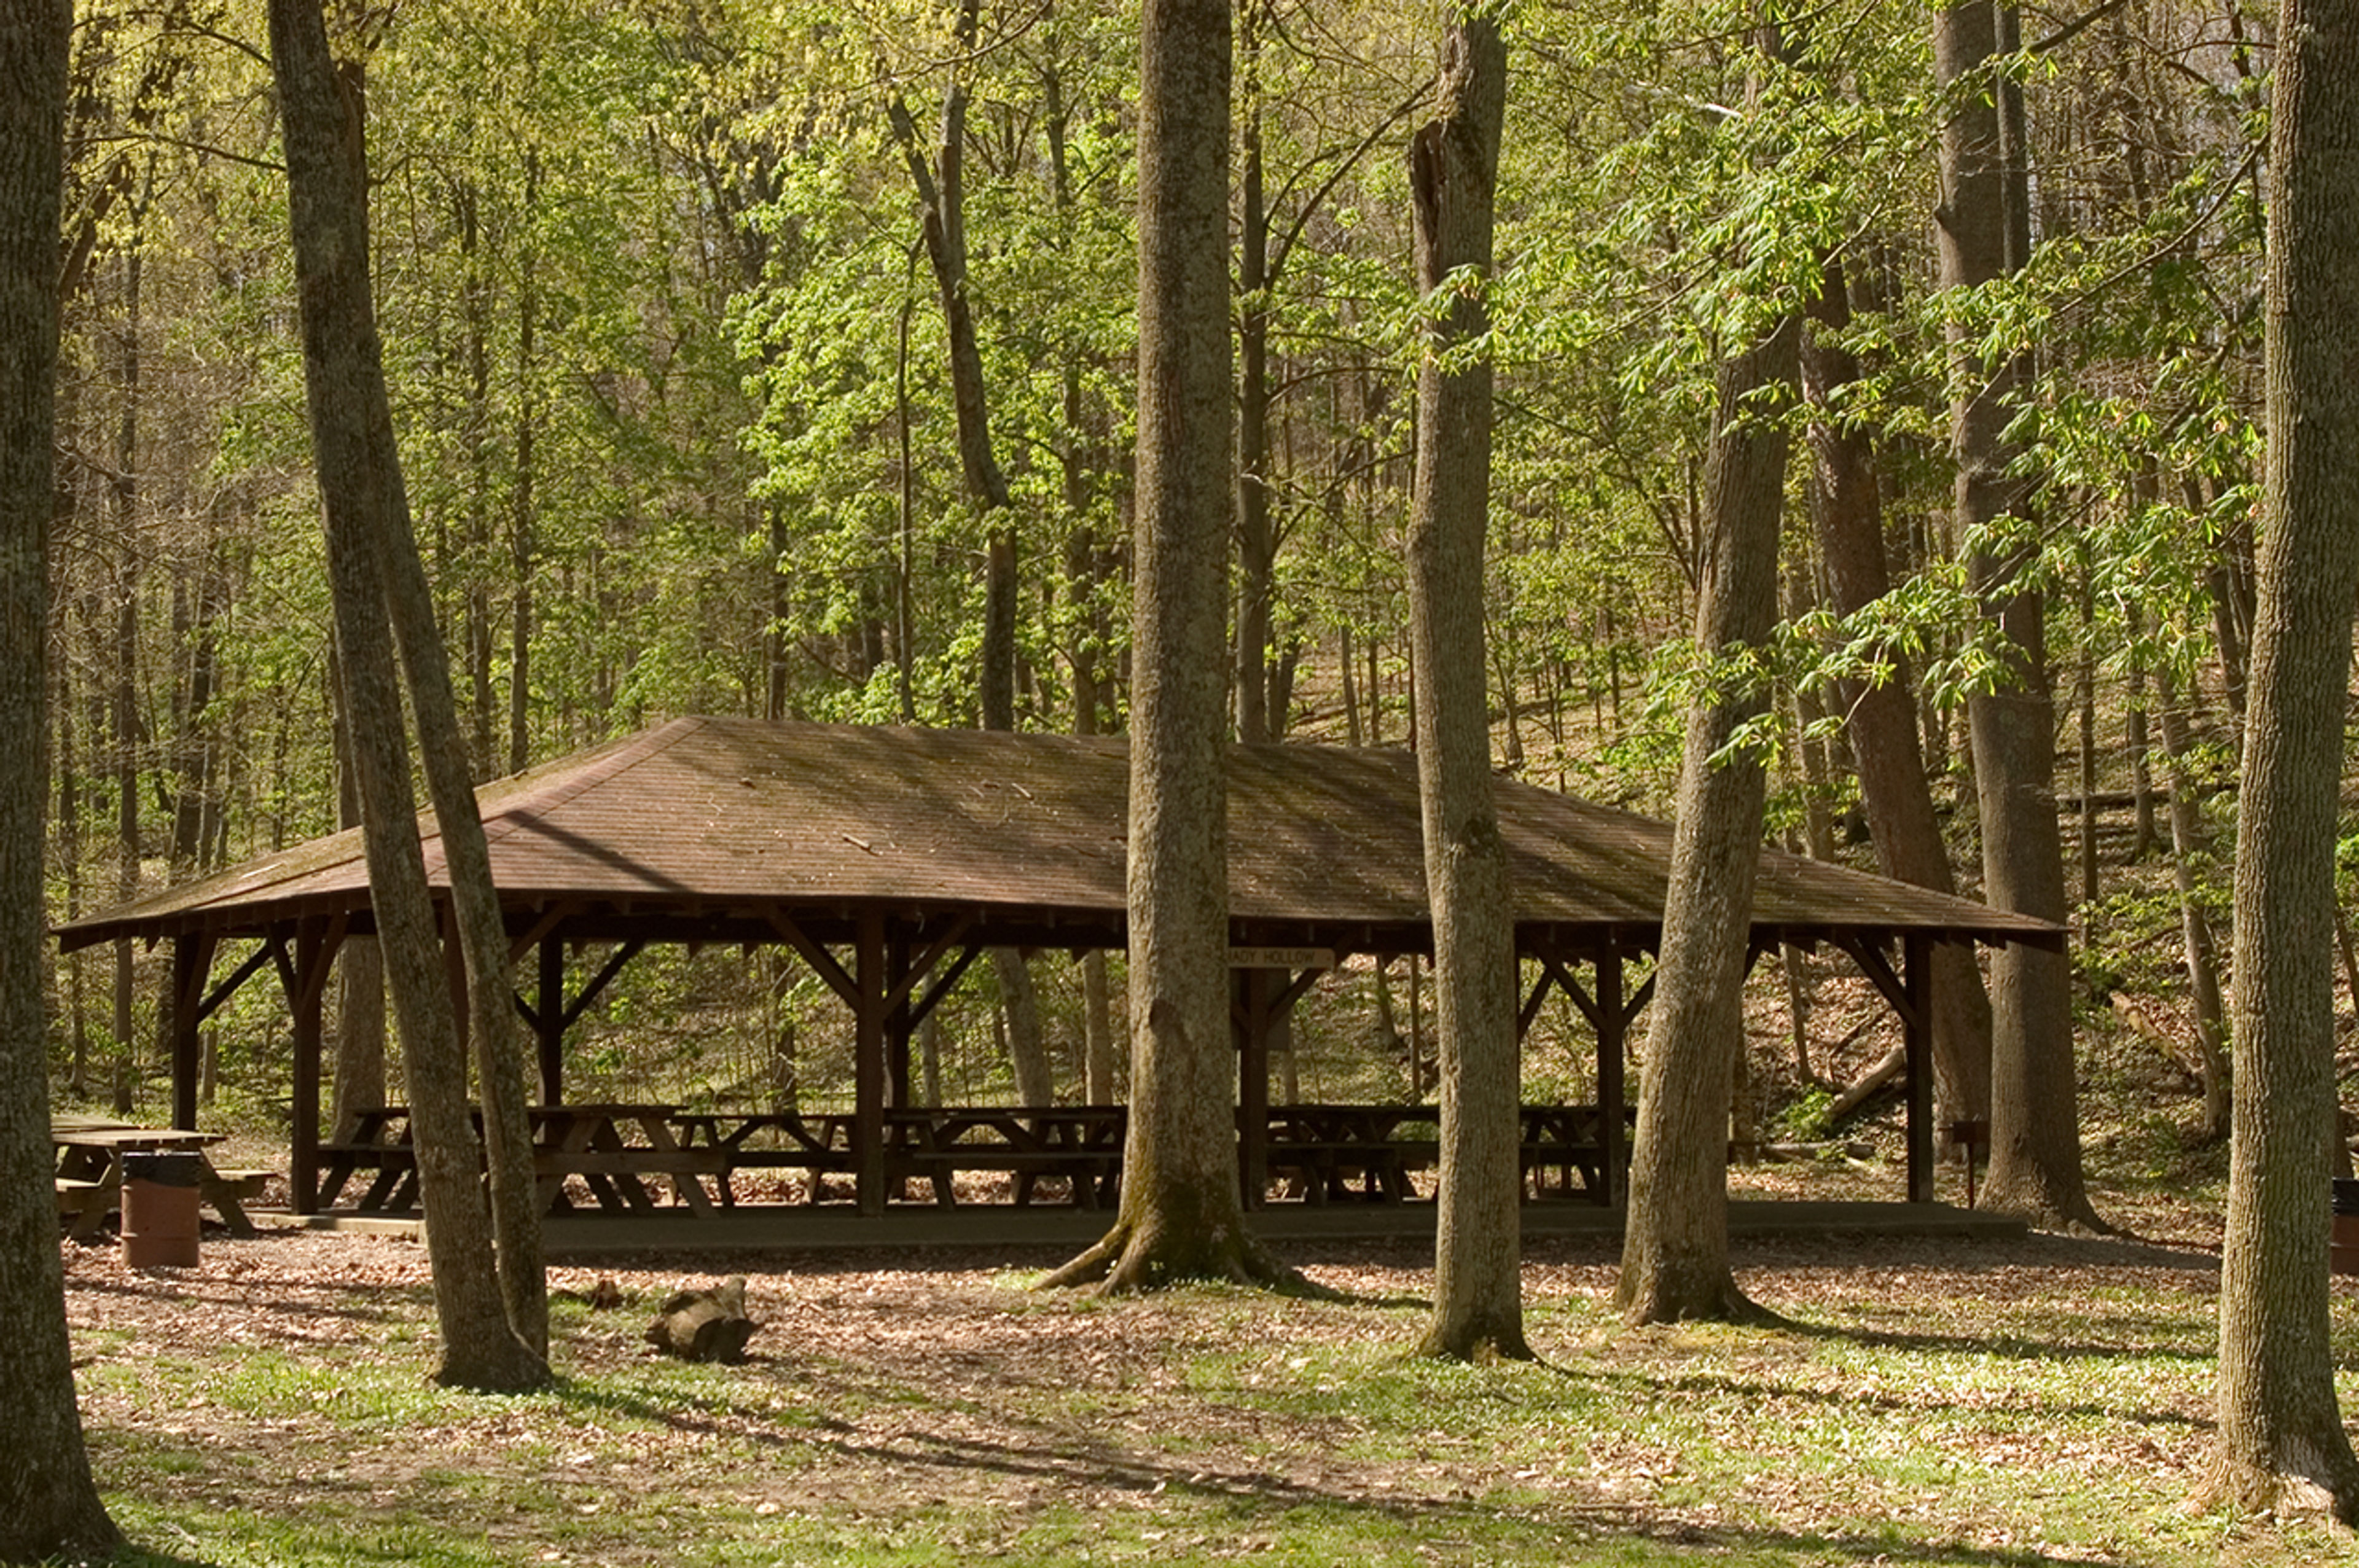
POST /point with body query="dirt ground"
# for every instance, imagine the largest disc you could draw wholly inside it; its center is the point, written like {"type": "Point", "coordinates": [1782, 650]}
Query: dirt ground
{"type": "Point", "coordinates": [1027, 1405]}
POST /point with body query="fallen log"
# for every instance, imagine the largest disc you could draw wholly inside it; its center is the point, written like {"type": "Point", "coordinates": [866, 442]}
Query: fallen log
{"type": "Point", "coordinates": [704, 1325]}
{"type": "Point", "coordinates": [1877, 1079]}
{"type": "Point", "coordinates": [2165, 1044]}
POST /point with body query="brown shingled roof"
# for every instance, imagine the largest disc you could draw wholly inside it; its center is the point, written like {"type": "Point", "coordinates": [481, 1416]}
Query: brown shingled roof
{"type": "Point", "coordinates": [691, 830]}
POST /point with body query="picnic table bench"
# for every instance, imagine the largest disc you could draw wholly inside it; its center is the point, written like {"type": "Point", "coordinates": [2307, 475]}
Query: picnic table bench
{"type": "Point", "coordinates": [90, 1167]}
{"type": "Point", "coordinates": [612, 1150]}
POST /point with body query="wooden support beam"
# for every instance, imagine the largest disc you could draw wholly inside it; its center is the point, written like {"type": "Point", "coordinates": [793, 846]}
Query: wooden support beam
{"type": "Point", "coordinates": [1532, 1004]}
{"type": "Point", "coordinates": [1294, 989]}
{"type": "Point", "coordinates": [1613, 1044]}
{"type": "Point", "coordinates": [270, 951]}
{"type": "Point", "coordinates": [1916, 1034]}
{"type": "Point", "coordinates": [897, 1027]}
{"type": "Point", "coordinates": [538, 931]}
{"type": "Point", "coordinates": [1253, 994]}
{"type": "Point", "coordinates": [548, 1021]}
{"type": "Point", "coordinates": [571, 1014]}
{"type": "Point", "coordinates": [1879, 972]}
{"type": "Point", "coordinates": [923, 964]}
{"type": "Point", "coordinates": [868, 1061]}
{"type": "Point", "coordinates": [1561, 973]}
{"type": "Point", "coordinates": [821, 961]}
{"type": "Point", "coordinates": [306, 982]}
{"type": "Point", "coordinates": [192, 962]}
{"type": "Point", "coordinates": [925, 1005]}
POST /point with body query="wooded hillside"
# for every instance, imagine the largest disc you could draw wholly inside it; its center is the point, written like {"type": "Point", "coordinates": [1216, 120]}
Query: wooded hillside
{"type": "Point", "coordinates": [695, 311]}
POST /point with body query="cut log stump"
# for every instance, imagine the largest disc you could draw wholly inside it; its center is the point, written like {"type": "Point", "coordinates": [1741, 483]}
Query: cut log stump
{"type": "Point", "coordinates": [704, 1325]}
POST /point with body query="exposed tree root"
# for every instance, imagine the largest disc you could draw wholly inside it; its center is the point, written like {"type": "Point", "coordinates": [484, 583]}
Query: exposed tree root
{"type": "Point", "coordinates": [2042, 1208]}
{"type": "Point", "coordinates": [2305, 1485]}
{"type": "Point", "coordinates": [1669, 1296]}
{"type": "Point", "coordinates": [1141, 1255]}
{"type": "Point", "coordinates": [1480, 1346]}
{"type": "Point", "coordinates": [512, 1369]}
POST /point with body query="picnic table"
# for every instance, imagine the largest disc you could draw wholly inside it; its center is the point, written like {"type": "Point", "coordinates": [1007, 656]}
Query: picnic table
{"type": "Point", "coordinates": [1080, 1143]}
{"type": "Point", "coordinates": [817, 1144]}
{"type": "Point", "coordinates": [1368, 1152]}
{"type": "Point", "coordinates": [611, 1152]}
{"type": "Point", "coordinates": [623, 1157]}
{"type": "Point", "coordinates": [90, 1161]}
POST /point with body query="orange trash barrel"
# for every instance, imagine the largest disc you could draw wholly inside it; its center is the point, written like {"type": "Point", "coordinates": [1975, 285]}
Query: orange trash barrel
{"type": "Point", "coordinates": [2344, 1248]}
{"type": "Point", "coordinates": [159, 1210]}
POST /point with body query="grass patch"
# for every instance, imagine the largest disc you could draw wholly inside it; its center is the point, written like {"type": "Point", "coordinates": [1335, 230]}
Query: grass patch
{"type": "Point", "coordinates": [1931, 1403]}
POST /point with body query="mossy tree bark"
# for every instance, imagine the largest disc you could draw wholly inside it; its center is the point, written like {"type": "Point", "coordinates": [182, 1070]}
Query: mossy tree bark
{"type": "Point", "coordinates": [1181, 1216]}
{"type": "Point", "coordinates": [2282, 1442]}
{"type": "Point", "coordinates": [49, 1506]}
{"type": "Point", "coordinates": [367, 524]}
{"type": "Point", "coordinates": [1478, 1308]}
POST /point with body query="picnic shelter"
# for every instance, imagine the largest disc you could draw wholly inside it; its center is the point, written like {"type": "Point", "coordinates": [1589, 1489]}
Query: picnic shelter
{"type": "Point", "coordinates": [888, 859]}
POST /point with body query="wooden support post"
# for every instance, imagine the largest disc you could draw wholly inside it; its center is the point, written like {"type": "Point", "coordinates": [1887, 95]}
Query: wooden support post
{"type": "Point", "coordinates": [1612, 1027]}
{"type": "Point", "coordinates": [1917, 1037]}
{"type": "Point", "coordinates": [192, 962]}
{"type": "Point", "coordinates": [868, 1063]}
{"type": "Point", "coordinates": [897, 1026]}
{"type": "Point", "coordinates": [306, 987]}
{"type": "Point", "coordinates": [548, 1022]}
{"type": "Point", "coordinates": [1253, 1015]}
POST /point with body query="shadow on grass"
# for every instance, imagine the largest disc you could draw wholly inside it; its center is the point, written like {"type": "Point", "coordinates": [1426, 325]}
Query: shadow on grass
{"type": "Point", "coordinates": [1754, 1391]}
{"type": "Point", "coordinates": [1259, 1500]}
{"type": "Point", "coordinates": [1091, 1471]}
{"type": "Point", "coordinates": [1971, 1255]}
{"type": "Point", "coordinates": [2007, 1347]}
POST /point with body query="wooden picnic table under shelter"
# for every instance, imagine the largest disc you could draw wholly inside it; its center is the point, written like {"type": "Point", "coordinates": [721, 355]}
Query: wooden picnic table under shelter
{"type": "Point", "coordinates": [888, 859]}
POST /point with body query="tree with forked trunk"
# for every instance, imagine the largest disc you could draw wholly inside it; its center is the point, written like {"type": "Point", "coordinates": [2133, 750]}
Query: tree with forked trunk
{"type": "Point", "coordinates": [486, 1258]}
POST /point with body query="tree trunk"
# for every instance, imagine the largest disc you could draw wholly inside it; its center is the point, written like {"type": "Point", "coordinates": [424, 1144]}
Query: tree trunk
{"type": "Point", "coordinates": [1893, 788]}
{"type": "Point", "coordinates": [1182, 1214]}
{"type": "Point", "coordinates": [941, 201]}
{"type": "Point", "coordinates": [1675, 1249]}
{"type": "Point", "coordinates": [50, 1505]}
{"type": "Point", "coordinates": [2282, 1444]}
{"type": "Point", "coordinates": [2035, 1124]}
{"type": "Point", "coordinates": [367, 527]}
{"type": "Point", "coordinates": [1478, 1309]}
{"type": "Point", "coordinates": [523, 519]}
{"type": "Point", "coordinates": [1256, 537]}
{"type": "Point", "coordinates": [1097, 1033]}
{"type": "Point", "coordinates": [2195, 930]}
{"type": "Point", "coordinates": [1027, 1043]}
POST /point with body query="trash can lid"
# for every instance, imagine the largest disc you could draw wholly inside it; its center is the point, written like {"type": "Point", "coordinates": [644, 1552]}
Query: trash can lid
{"type": "Point", "coordinates": [162, 1167]}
